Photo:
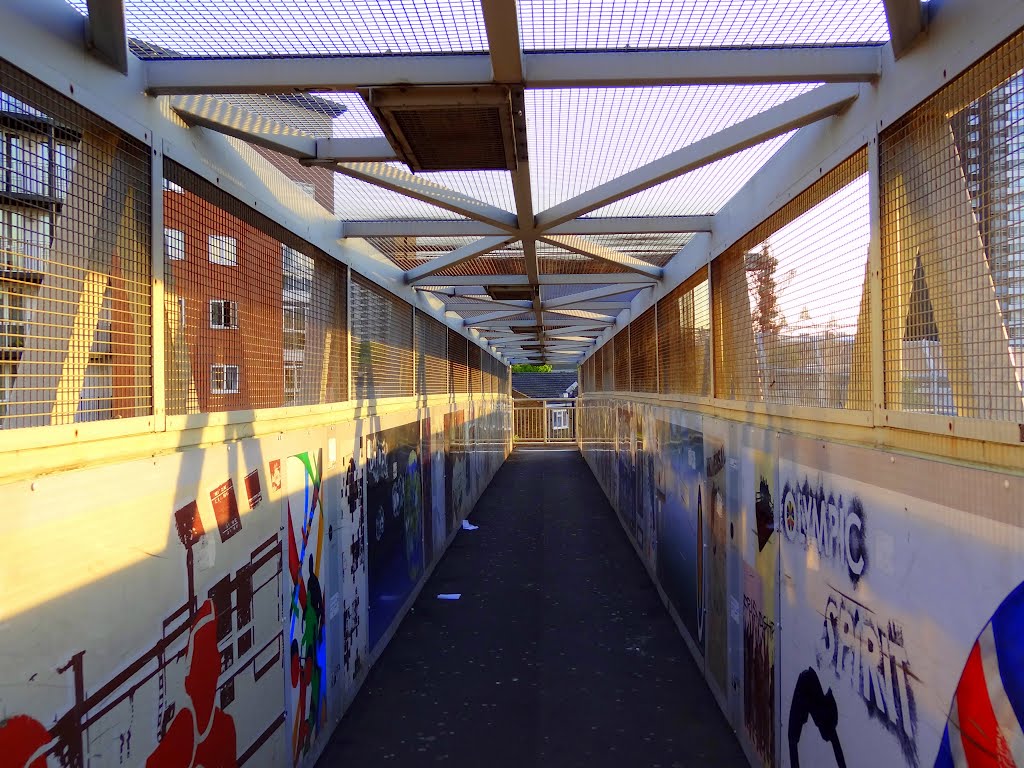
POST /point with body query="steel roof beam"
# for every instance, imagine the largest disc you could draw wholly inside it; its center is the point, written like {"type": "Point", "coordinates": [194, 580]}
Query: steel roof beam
{"type": "Point", "coordinates": [584, 247]}
{"type": "Point", "coordinates": [490, 317]}
{"type": "Point", "coordinates": [629, 225]}
{"type": "Point", "coordinates": [232, 120]}
{"type": "Point", "coordinates": [907, 20]}
{"type": "Point", "coordinates": [625, 225]}
{"type": "Point", "coordinates": [405, 183]}
{"type": "Point", "coordinates": [105, 33]}
{"type": "Point", "coordinates": [808, 108]}
{"type": "Point", "coordinates": [582, 296]}
{"type": "Point", "coordinates": [456, 257]}
{"type": "Point", "coordinates": [584, 69]}
{"type": "Point", "coordinates": [627, 279]}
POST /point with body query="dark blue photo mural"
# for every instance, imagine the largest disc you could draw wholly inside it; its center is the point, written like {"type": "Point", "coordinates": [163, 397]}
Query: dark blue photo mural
{"type": "Point", "coordinates": [680, 524]}
{"type": "Point", "coordinates": [394, 506]}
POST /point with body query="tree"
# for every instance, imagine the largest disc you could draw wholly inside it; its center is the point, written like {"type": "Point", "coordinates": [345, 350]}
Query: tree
{"type": "Point", "coordinates": [768, 318]}
{"type": "Point", "coordinates": [529, 368]}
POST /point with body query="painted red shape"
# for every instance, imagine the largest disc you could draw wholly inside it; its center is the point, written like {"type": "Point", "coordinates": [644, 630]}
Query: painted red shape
{"type": "Point", "coordinates": [201, 733]}
{"type": "Point", "coordinates": [21, 737]}
{"type": "Point", "coordinates": [983, 741]}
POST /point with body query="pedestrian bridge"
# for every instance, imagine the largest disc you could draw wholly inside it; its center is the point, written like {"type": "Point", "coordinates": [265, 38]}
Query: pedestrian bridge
{"type": "Point", "coordinates": [270, 496]}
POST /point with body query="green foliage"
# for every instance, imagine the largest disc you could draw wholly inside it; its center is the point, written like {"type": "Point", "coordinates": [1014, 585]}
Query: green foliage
{"type": "Point", "coordinates": [528, 368]}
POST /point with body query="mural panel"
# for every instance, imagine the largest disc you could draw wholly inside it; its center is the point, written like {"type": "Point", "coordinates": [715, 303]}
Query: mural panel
{"type": "Point", "coordinates": [395, 506]}
{"type": "Point", "coordinates": [915, 567]}
{"type": "Point", "coordinates": [355, 615]}
{"type": "Point", "coordinates": [760, 568]}
{"type": "Point", "coordinates": [716, 584]}
{"type": "Point", "coordinates": [680, 566]}
{"type": "Point", "coordinates": [456, 467]}
{"type": "Point", "coordinates": [625, 467]}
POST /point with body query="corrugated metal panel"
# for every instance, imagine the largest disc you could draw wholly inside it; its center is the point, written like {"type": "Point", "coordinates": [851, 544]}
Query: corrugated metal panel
{"type": "Point", "coordinates": [643, 345]}
{"type": "Point", "coordinates": [382, 352]}
{"type": "Point", "coordinates": [431, 356]}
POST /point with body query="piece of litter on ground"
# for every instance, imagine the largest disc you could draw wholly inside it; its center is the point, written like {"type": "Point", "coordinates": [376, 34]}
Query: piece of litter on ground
{"type": "Point", "coordinates": [468, 526]}
{"type": "Point", "coordinates": [449, 596]}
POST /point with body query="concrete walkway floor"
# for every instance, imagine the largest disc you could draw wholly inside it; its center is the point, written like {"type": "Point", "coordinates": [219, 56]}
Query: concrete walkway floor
{"type": "Point", "coordinates": [559, 652]}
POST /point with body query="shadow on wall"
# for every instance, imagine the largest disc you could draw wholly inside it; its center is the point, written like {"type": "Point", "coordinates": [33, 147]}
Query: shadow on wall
{"type": "Point", "coordinates": [184, 594]}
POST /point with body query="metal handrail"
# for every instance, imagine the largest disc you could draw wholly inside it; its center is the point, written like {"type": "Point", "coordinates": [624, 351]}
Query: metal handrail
{"type": "Point", "coordinates": [544, 421]}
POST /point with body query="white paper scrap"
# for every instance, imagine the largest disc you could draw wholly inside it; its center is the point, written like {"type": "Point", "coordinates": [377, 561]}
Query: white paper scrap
{"type": "Point", "coordinates": [468, 526]}
{"type": "Point", "coordinates": [449, 596]}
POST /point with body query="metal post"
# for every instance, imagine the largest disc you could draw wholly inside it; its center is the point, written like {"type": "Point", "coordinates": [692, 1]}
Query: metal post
{"type": "Point", "coordinates": [157, 311]}
{"type": "Point", "coordinates": [544, 418]}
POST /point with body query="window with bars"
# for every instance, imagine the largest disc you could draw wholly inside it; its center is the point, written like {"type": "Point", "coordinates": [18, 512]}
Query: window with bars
{"type": "Point", "coordinates": [223, 379]}
{"type": "Point", "coordinates": [431, 355]}
{"type": "Point", "coordinates": [285, 299]}
{"type": "Point", "coordinates": [621, 355]}
{"type": "Point", "coordinates": [952, 208]}
{"type": "Point", "coordinates": [223, 314]}
{"type": "Point", "coordinates": [684, 339]}
{"type": "Point", "coordinates": [643, 348]}
{"type": "Point", "coordinates": [223, 250]}
{"type": "Point", "coordinates": [75, 263]}
{"type": "Point", "coordinates": [382, 348]}
{"type": "Point", "coordinates": [791, 300]}
{"type": "Point", "coordinates": [174, 244]}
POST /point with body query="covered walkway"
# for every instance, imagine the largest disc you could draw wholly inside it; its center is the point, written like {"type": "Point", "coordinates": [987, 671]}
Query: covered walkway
{"type": "Point", "coordinates": [559, 652]}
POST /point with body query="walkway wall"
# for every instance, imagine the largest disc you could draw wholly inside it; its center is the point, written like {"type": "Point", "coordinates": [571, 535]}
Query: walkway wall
{"type": "Point", "coordinates": [846, 604]}
{"type": "Point", "coordinates": [258, 576]}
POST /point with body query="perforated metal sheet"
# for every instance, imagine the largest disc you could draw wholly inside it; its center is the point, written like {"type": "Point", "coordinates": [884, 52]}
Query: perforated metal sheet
{"type": "Point", "coordinates": [431, 356]}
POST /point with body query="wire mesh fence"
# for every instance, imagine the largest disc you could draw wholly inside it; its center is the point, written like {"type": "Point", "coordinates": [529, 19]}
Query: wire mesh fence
{"type": "Point", "coordinates": [953, 246]}
{"type": "Point", "coordinates": [75, 262]}
{"type": "Point", "coordinates": [254, 317]}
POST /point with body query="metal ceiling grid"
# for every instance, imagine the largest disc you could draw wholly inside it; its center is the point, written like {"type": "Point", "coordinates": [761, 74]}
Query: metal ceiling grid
{"type": "Point", "coordinates": [410, 252]}
{"type": "Point", "coordinates": [582, 137]}
{"type": "Point", "coordinates": [172, 29]}
{"type": "Point", "coordinates": [699, 192]}
{"type": "Point", "coordinates": [656, 249]}
{"type": "Point", "coordinates": [355, 200]}
{"type": "Point", "coordinates": [628, 24]}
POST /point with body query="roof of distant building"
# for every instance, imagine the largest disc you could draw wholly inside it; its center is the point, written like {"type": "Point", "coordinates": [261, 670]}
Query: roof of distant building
{"type": "Point", "coordinates": [541, 386]}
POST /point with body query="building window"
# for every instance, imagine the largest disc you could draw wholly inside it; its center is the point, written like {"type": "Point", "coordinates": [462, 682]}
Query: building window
{"type": "Point", "coordinates": [223, 379]}
{"type": "Point", "coordinates": [292, 381]}
{"type": "Point", "coordinates": [174, 244]}
{"type": "Point", "coordinates": [24, 238]}
{"type": "Point", "coordinates": [223, 250]}
{"type": "Point", "coordinates": [223, 313]}
{"type": "Point", "coordinates": [294, 327]}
